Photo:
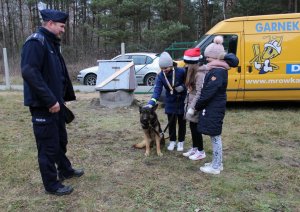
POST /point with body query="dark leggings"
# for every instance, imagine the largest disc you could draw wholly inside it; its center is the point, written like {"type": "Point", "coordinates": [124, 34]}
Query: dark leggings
{"type": "Point", "coordinates": [172, 119]}
{"type": "Point", "coordinates": [196, 136]}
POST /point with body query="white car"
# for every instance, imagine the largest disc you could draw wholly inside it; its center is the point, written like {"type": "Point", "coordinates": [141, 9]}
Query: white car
{"type": "Point", "coordinates": [146, 69]}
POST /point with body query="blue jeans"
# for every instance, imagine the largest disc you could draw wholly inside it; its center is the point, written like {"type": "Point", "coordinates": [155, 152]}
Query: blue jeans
{"type": "Point", "coordinates": [217, 151]}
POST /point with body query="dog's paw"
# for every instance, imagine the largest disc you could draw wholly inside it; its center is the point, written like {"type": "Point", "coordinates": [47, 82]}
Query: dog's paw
{"type": "Point", "coordinates": [147, 154]}
{"type": "Point", "coordinates": [160, 154]}
{"type": "Point", "coordinates": [140, 145]}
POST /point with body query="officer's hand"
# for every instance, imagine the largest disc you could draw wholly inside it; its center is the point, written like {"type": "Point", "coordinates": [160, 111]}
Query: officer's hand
{"type": "Point", "coordinates": [179, 88]}
{"type": "Point", "coordinates": [55, 108]}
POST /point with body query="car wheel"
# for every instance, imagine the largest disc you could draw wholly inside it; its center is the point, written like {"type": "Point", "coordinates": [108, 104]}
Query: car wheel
{"type": "Point", "coordinates": [150, 79]}
{"type": "Point", "coordinates": [90, 79]}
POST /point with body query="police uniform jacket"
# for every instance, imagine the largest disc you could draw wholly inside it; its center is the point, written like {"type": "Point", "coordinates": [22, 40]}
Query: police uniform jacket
{"type": "Point", "coordinates": [174, 103]}
{"type": "Point", "coordinates": [212, 102]}
{"type": "Point", "coordinates": [46, 79]}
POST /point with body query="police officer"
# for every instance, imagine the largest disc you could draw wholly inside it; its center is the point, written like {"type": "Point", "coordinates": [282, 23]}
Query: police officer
{"type": "Point", "coordinates": [47, 87]}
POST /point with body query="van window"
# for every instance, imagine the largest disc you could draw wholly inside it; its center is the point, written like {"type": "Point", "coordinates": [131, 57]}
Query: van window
{"type": "Point", "coordinates": [232, 44]}
{"type": "Point", "coordinates": [229, 43]}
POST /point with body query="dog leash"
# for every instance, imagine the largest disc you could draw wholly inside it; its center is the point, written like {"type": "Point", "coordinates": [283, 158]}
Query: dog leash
{"type": "Point", "coordinates": [160, 134]}
{"type": "Point", "coordinates": [172, 118]}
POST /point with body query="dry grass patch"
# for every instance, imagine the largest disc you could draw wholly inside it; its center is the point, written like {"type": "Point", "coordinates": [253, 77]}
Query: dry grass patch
{"type": "Point", "coordinates": [261, 162]}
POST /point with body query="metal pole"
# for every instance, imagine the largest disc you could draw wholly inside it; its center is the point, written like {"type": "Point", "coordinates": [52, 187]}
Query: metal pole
{"type": "Point", "coordinates": [122, 49]}
{"type": "Point", "coordinates": [7, 80]}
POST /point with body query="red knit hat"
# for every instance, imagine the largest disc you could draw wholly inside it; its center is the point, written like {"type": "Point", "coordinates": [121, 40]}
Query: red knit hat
{"type": "Point", "coordinates": [192, 56]}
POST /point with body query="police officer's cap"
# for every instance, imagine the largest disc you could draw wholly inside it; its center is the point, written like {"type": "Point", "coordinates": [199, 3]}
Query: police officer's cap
{"type": "Point", "coordinates": [54, 15]}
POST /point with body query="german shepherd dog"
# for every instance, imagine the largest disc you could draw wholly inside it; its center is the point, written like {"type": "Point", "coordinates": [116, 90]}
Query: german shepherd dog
{"type": "Point", "coordinates": [152, 130]}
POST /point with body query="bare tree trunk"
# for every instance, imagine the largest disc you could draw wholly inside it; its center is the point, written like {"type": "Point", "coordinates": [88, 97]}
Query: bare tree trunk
{"type": "Point", "coordinates": [98, 37]}
{"type": "Point", "coordinates": [14, 34]}
{"type": "Point", "coordinates": [204, 5]}
{"type": "Point", "coordinates": [224, 8]}
{"type": "Point", "coordinates": [56, 5]}
{"type": "Point", "coordinates": [74, 43]}
{"type": "Point", "coordinates": [84, 31]}
{"type": "Point", "coordinates": [32, 25]}
{"type": "Point", "coordinates": [50, 3]}
{"type": "Point", "coordinates": [290, 5]}
{"type": "Point", "coordinates": [149, 19]}
{"type": "Point", "coordinates": [3, 24]}
{"type": "Point", "coordinates": [93, 28]}
{"type": "Point", "coordinates": [21, 19]}
{"type": "Point", "coordinates": [9, 23]}
{"type": "Point", "coordinates": [37, 16]}
{"type": "Point", "coordinates": [66, 8]}
{"type": "Point", "coordinates": [180, 8]}
{"type": "Point", "coordinates": [135, 30]}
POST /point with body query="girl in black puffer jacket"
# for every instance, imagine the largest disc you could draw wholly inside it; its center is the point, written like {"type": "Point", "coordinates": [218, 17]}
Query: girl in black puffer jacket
{"type": "Point", "coordinates": [212, 102]}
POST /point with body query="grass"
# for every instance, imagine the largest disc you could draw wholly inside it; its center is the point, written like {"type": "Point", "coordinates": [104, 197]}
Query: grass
{"type": "Point", "coordinates": [261, 162]}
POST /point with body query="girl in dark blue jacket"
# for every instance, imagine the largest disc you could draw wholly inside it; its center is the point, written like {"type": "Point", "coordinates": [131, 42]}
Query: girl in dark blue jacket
{"type": "Point", "coordinates": [212, 103]}
{"type": "Point", "coordinates": [172, 79]}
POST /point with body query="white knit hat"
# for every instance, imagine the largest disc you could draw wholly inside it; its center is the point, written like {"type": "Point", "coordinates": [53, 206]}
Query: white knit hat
{"type": "Point", "coordinates": [165, 60]}
{"type": "Point", "coordinates": [216, 49]}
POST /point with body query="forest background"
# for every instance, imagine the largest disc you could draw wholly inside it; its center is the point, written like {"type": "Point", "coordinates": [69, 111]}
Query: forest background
{"type": "Point", "coordinates": [96, 28]}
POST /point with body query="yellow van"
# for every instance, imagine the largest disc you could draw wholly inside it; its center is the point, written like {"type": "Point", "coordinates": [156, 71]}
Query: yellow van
{"type": "Point", "coordinates": [268, 48]}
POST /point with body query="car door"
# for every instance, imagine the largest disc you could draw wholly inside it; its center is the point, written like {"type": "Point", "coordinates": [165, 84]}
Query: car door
{"type": "Point", "coordinates": [141, 68]}
{"type": "Point", "coordinates": [139, 62]}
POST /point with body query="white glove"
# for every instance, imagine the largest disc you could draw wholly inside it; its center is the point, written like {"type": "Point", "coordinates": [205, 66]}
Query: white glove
{"type": "Point", "coordinates": [179, 88]}
{"type": "Point", "coordinates": [147, 106]}
{"type": "Point", "coordinates": [191, 111]}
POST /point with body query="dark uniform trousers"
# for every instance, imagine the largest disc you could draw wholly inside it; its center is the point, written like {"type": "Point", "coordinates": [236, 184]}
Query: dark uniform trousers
{"type": "Point", "coordinates": [51, 140]}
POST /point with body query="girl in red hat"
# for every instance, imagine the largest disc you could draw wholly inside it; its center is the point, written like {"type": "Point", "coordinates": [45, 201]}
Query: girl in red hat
{"type": "Point", "coordinates": [194, 80]}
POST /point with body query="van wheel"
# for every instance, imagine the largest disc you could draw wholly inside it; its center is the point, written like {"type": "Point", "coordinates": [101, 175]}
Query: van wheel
{"type": "Point", "coordinates": [150, 79]}
{"type": "Point", "coordinates": [90, 79]}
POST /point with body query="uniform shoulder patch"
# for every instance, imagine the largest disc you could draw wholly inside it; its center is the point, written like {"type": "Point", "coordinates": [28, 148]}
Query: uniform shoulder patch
{"type": "Point", "coordinates": [36, 36]}
{"type": "Point", "coordinates": [213, 78]}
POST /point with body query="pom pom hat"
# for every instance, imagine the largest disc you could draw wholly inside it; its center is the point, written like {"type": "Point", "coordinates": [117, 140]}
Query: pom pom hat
{"type": "Point", "coordinates": [165, 60]}
{"type": "Point", "coordinates": [216, 49]}
{"type": "Point", "coordinates": [192, 56]}
{"type": "Point", "coordinates": [54, 15]}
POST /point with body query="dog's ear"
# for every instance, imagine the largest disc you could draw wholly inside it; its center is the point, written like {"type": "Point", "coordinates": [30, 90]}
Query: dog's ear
{"type": "Point", "coordinates": [154, 107]}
